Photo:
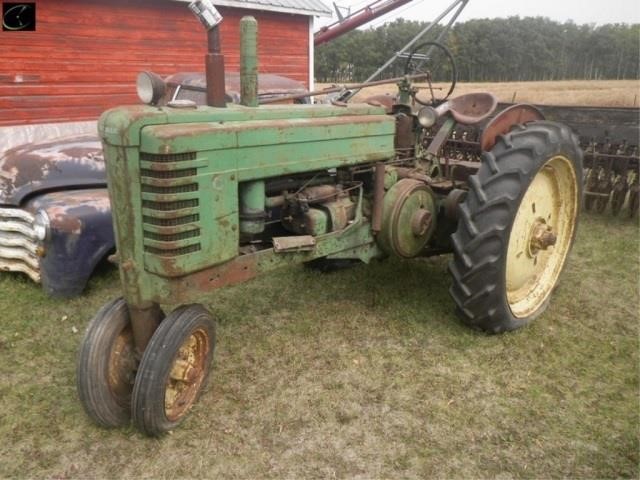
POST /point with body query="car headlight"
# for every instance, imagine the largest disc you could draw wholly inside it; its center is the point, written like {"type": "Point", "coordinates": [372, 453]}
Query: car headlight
{"type": "Point", "coordinates": [41, 225]}
{"type": "Point", "coordinates": [150, 87]}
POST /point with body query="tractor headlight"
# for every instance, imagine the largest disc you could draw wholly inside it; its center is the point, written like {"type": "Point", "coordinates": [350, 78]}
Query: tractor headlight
{"type": "Point", "coordinates": [150, 87]}
{"type": "Point", "coordinates": [427, 117]}
{"type": "Point", "coordinates": [41, 225]}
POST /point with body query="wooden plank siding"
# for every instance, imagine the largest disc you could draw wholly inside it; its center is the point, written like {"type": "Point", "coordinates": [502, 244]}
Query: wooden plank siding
{"type": "Point", "coordinates": [85, 54]}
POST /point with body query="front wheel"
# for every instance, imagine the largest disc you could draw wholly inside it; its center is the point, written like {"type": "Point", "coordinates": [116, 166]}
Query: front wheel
{"type": "Point", "coordinates": [517, 226]}
{"type": "Point", "coordinates": [107, 366]}
{"type": "Point", "coordinates": [173, 369]}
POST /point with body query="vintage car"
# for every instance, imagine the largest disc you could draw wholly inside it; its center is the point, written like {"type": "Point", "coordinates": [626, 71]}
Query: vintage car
{"type": "Point", "coordinates": [55, 216]}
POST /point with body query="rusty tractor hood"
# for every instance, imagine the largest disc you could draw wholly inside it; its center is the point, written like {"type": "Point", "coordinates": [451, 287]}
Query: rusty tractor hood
{"type": "Point", "coordinates": [63, 163]}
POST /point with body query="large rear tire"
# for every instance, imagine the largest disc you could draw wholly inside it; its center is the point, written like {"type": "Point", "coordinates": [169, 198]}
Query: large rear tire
{"type": "Point", "coordinates": [517, 226]}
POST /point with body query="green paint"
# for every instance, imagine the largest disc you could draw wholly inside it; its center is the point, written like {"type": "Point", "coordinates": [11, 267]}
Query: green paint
{"type": "Point", "coordinates": [404, 92]}
{"type": "Point", "coordinates": [252, 203]}
{"type": "Point", "coordinates": [179, 180]}
{"type": "Point", "coordinates": [123, 125]}
{"type": "Point", "coordinates": [390, 177]}
{"type": "Point", "coordinates": [249, 61]}
{"type": "Point", "coordinates": [406, 200]}
{"type": "Point", "coordinates": [318, 221]}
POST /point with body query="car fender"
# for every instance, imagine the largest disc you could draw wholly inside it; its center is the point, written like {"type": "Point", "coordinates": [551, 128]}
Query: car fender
{"type": "Point", "coordinates": [80, 234]}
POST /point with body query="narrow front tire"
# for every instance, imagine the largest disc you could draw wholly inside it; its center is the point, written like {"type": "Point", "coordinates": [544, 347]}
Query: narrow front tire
{"type": "Point", "coordinates": [173, 370]}
{"type": "Point", "coordinates": [106, 366]}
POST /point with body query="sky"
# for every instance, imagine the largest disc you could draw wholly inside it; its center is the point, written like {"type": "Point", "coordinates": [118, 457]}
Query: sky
{"type": "Point", "coordinates": [589, 11]}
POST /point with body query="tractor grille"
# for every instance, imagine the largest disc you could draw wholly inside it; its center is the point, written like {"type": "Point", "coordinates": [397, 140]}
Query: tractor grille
{"type": "Point", "coordinates": [170, 204]}
{"type": "Point", "coordinates": [172, 238]}
{"type": "Point", "coordinates": [173, 252]}
{"type": "Point", "coordinates": [171, 222]}
{"type": "Point", "coordinates": [168, 158]}
{"type": "Point", "coordinates": [193, 187]}
{"type": "Point", "coordinates": [18, 244]}
{"type": "Point", "coordinates": [163, 174]}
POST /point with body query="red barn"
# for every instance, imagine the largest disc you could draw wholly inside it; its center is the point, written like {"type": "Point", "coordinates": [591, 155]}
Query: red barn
{"type": "Point", "coordinates": [84, 55]}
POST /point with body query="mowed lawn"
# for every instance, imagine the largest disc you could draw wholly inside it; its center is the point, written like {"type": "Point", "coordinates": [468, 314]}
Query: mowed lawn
{"type": "Point", "coordinates": [362, 373]}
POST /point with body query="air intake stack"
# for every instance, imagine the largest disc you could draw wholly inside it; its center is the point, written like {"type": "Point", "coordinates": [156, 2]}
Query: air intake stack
{"type": "Point", "coordinates": [249, 61]}
{"type": "Point", "coordinates": [214, 59]}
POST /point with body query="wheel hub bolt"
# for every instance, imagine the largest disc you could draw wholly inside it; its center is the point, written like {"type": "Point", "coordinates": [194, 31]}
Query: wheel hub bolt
{"type": "Point", "coordinates": [183, 371]}
{"type": "Point", "coordinates": [542, 238]}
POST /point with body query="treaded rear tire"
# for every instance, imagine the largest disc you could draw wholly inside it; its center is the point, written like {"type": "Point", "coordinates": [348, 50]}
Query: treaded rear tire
{"type": "Point", "coordinates": [480, 244]}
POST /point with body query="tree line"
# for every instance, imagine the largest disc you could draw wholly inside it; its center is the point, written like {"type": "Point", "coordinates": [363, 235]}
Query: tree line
{"type": "Point", "coordinates": [491, 50]}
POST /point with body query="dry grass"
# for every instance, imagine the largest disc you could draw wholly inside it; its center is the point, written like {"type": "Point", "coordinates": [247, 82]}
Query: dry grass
{"type": "Point", "coordinates": [362, 374]}
{"type": "Point", "coordinates": [607, 93]}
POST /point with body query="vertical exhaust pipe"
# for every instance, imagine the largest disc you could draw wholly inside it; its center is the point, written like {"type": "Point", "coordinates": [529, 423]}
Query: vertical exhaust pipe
{"type": "Point", "coordinates": [252, 194]}
{"type": "Point", "coordinates": [249, 61]}
{"type": "Point", "coordinates": [214, 59]}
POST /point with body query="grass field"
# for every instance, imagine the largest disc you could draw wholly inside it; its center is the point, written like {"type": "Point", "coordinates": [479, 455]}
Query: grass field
{"type": "Point", "coordinates": [606, 93]}
{"type": "Point", "coordinates": [364, 373]}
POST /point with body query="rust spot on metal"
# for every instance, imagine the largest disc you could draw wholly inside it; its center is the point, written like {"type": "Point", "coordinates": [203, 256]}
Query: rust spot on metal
{"type": "Point", "coordinates": [405, 137]}
{"type": "Point", "coordinates": [471, 108]}
{"type": "Point", "coordinates": [235, 271]}
{"type": "Point", "coordinates": [502, 123]}
{"type": "Point", "coordinates": [187, 373]}
{"type": "Point", "coordinates": [378, 198]}
{"type": "Point", "coordinates": [421, 222]}
{"type": "Point", "coordinates": [170, 132]}
{"type": "Point", "coordinates": [541, 238]}
{"type": "Point", "coordinates": [301, 243]}
{"type": "Point", "coordinates": [144, 321]}
{"type": "Point", "coordinates": [68, 163]}
{"type": "Point", "coordinates": [66, 209]}
{"type": "Point", "coordinates": [64, 222]}
{"type": "Point", "coordinates": [121, 367]}
{"type": "Point", "coordinates": [386, 101]}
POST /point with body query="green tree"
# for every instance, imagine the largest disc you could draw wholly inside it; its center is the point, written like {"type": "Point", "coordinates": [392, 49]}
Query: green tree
{"type": "Point", "coordinates": [501, 49]}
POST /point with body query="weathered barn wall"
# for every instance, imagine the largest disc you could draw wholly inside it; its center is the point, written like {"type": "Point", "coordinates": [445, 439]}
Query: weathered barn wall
{"type": "Point", "coordinates": [85, 54]}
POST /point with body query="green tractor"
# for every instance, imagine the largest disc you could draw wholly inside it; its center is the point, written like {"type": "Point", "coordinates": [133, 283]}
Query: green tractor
{"type": "Point", "coordinates": [208, 196]}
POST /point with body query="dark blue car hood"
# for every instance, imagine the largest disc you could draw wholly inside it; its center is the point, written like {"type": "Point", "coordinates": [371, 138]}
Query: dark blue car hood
{"type": "Point", "coordinates": [64, 163]}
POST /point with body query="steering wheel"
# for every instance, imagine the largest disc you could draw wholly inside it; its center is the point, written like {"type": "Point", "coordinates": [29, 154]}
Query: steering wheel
{"type": "Point", "coordinates": [435, 60]}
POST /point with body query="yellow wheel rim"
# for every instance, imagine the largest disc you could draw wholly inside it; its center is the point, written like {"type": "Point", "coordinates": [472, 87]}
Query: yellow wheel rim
{"type": "Point", "coordinates": [541, 236]}
{"type": "Point", "coordinates": [187, 374]}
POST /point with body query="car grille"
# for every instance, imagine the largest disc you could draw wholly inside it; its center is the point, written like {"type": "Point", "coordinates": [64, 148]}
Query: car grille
{"type": "Point", "coordinates": [18, 244]}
